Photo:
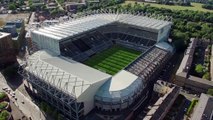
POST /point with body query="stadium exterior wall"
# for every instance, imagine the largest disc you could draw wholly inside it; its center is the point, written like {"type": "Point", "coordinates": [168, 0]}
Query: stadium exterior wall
{"type": "Point", "coordinates": [71, 109]}
{"type": "Point", "coordinates": [88, 96]}
{"type": "Point", "coordinates": [163, 34]}
{"type": "Point", "coordinates": [45, 42]}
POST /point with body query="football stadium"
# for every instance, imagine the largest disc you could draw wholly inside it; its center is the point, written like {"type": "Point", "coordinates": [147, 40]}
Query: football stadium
{"type": "Point", "coordinates": [100, 65]}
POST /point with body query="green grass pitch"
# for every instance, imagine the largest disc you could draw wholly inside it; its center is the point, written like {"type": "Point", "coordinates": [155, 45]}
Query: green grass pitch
{"type": "Point", "coordinates": [112, 60]}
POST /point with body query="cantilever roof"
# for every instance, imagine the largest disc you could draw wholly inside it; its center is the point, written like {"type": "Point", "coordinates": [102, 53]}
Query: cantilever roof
{"type": "Point", "coordinates": [77, 26]}
{"type": "Point", "coordinates": [165, 46]}
{"type": "Point", "coordinates": [119, 87]}
{"type": "Point", "coordinates": [67, 75]}
{"type": "Point", "coordinates": [122, 80]}
{"type": "Point", "coordinates": [3, 34]}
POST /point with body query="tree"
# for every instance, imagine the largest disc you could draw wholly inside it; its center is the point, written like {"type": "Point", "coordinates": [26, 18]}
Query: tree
{"type": "Point", "coordinates": [44, 7]}
{"type": "Point", "coordinates": [60, 1]}
{"type": "Point", "coordinates": [179, 45]}
{"type": "Point", "coordinates": [60, 117]}
{"type": "Point", "coordinates": [3, 105]}
{"type": "Point", "coordinates": [4, 115]}
{"type": "Point", "coordinates": [180, 40]}
{"type": "Point", "coordinates": [12, 6]}
{"type": "Point", "coordinates": [199, 68]}
{"type": "Point", "coordinates": [207, 6]}
{"type": "Point", "coordinates": [206, 76]}
{"type": "Point", "coordinates": [210, 92]}
{"type": "Point", "coordinates": [49, 109]}
{"type": "Point", "coordinates": [43, 106]}
{"type": "Point", "coordinates": [2, 95]}
{"type": "Point", "coordinates": [21, 2]}
{"type": "Point", "coordinates": [30, 2]}
{"type": "Point", "coordinates": [55, 114]}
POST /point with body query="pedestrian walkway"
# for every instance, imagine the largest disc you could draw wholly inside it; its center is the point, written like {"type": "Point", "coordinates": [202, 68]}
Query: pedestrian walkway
{"type": "Point", "coordinates": [23, 103]}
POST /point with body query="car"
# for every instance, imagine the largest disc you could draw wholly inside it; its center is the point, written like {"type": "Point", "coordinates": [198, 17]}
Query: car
{"type": "Point", "coordinates": [4, 88]}
{"type": "Point", "coordinates": [8, 90]}
{"type": "Point", "coordinates": [185, 110]}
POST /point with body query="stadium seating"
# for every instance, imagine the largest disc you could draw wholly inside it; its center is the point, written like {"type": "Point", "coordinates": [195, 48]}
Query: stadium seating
{"type": "Point", "coordinates": [96, 41]}
{"type": "Point", "coordinates": [81, 45]}
{"type": "Point", "coordinates": [128, 40]}
{"type": "Point", "coordinates": [147, 63]}
{"type": "Point", "coordinates": [81, 48]}
{"type": "Point", "coordinates": [69, 49]}
{"type": "Point", "coordinates": [116, 29]}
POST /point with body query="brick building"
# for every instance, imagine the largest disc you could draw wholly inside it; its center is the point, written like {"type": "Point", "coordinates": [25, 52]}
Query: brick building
{"type": "Point", "coordinates": [7, 52]}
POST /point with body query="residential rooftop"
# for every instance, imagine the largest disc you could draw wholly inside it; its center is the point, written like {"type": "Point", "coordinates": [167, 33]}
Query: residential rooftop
{"type": "Point", "coordinates": [188, 57]}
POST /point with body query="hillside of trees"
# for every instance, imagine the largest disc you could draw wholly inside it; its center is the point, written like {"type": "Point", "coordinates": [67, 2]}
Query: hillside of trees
{"type": "Point", "coordinates": [208, 6]}
{"type": "Point", "coordinates": [98, 5]}
{"type": "Point", "coordinates": [174, 2]}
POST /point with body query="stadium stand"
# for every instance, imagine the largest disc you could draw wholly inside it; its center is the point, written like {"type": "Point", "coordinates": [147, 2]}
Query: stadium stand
{"type": "Point", "coordinates": [146, 61]}
{"type": "Point", "coordinates": [83, 47]}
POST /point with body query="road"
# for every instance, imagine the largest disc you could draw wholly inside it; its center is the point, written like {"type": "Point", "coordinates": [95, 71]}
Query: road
{"type": "Point", "coordinates": [23, 103]}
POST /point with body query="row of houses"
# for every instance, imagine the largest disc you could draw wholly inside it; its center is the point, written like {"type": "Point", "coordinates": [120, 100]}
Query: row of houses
{"type": "Point", "coordinates": [183, 76]}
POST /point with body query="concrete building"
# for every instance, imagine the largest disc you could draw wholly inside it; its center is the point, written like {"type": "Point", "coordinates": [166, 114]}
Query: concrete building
{"type": "Point", "coordinates": [204, 108]}
{"type": "Point", "coordinates": [7, 52]}
{"type": "Point", "coordinates": [183, 77]}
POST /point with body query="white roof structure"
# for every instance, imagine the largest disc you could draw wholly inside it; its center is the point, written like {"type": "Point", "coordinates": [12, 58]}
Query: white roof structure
{"type": "Point", "coordinates": [3, 34]}
{"type": "Point", "coordinates": [75, 78]}
{"type": "Point", "coordinates": [120, 87]}
{"type": "Point", "coordinates": [70, 76]}
{"type": "Point", "coordinates": [127, 79]}
{"type": "Point", "coordinates": [77, 26]}
{"type": "Point", "coordinates": [80, 81]}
